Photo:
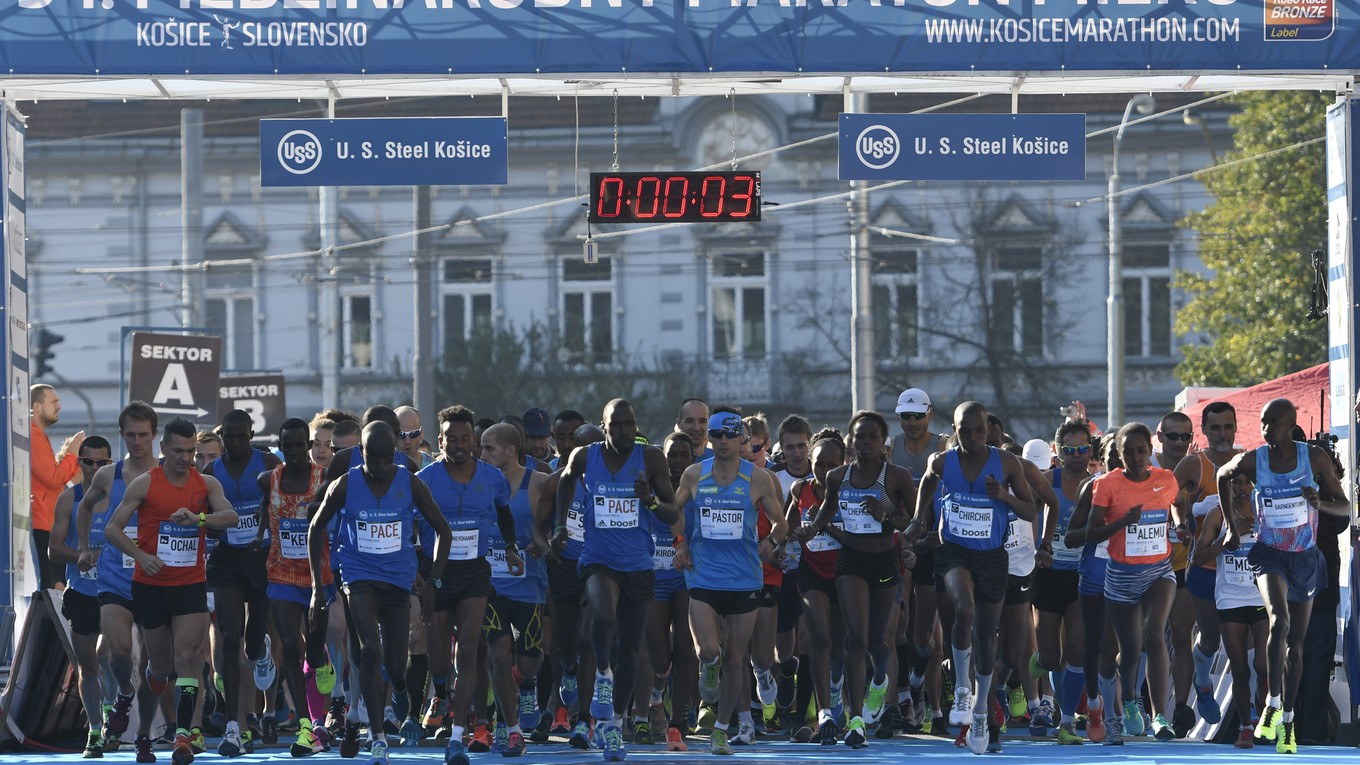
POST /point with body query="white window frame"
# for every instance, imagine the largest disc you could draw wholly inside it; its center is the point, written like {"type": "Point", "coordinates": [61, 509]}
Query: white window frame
{"type": "Point", "coordinates": [893, 282]}
{"type": "Point", "coordinates": [738, 284]}
{"type": "Point", "coordinates": [230, 295]}
{"type": "Point", "coordinates": [349, 359]}
{"type": "Point", "coordinates": [1145, 275]}
{"type": "Point", "coordinates": [587, 289]}
{"type": "Point", "coordinates": [470, 291]}
{"type": "Point", "coordinates": [1011, 278]}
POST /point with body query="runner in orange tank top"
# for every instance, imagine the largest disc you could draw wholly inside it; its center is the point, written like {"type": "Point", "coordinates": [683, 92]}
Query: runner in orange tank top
{"type": "Point", "coordinates": [174, 506]}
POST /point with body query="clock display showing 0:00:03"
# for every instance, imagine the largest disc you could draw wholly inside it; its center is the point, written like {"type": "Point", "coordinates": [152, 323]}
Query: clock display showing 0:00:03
{"type": "Point", "coordinates": [674, 197]}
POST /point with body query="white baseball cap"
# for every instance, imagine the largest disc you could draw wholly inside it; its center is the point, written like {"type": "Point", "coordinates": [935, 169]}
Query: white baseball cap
{"type": "Point", "coordinates": [913, 400]}
{"type": "Point", "coordinates": [1038, 451]}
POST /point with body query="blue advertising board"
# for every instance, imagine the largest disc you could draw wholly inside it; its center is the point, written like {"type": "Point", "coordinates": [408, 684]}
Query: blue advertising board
{"type": "Point", "coordinates": [453, 38]}
{"type": "Point", "coordinates": [416, 151]}
{"type": "Point", "coordinates": [963, 147]}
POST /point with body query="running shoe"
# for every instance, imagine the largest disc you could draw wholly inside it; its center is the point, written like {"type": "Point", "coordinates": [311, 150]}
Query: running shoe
{"type": "Point", "coordinates": [434, 713]}
{"type": "Point", "coordinates": [1133, 719]}
{"type": "Point", "coordinates": [675, 740]}
{"type": "Point", "coordinates": [481, 739]}
{"type": "Point", "coordinates": [1067, 736]}
{"type": "Point", "coordinates": [1161, 729]}
{"type": "Point", "coordinates": [602, 703]}
{"type": "Point", "coordinates": [567, 689]}
{"type": "Point", "coordinates": [197, 740]}
{"type": "Point", "coordinates": [977, 735]}
{"type": "Point", "coordinates": [265, 671]}
{"type": "Point", "coordinates": [767, 688]}
{"type": "Point", "coordinates": [269, 730]}
{"type": "Point", "coordinates": [117, 720]}
{"type": "Point", "coordinates": [746, 734]}
{"type": "Point", "coordinates": [1183, 720]}
{"type": "Point", "coordinates": [802, 732]}
{"type": "Point", "coordinates": [94, 746]}
{"type": "Point", "coordinates": [1244, 738]}
{"type": "Point", "coordinates": [248, 740]}
{"type": "Point", "coordinates": [349, 744]}
{"type": "Point", "coordinates": [707, 717]}
{"type": "Point", "coordinates": [514, 745]}
{"type": "Point", "coordinates": [1042, 719]}
{"type": "Point", "coordinates": [1114, 732]}
{"type": "Point", "coordinates": [230, 745]}
{"type": "Point", "coordinates": [378, 754]}
{"type": "Point", "coordinates": [874, 702]}
{"type": "Point", "coordinates": [854, 734]}
{"type": "Point", "coordinates": [718, 743]}
{"type": "Point", "coordinates": [561, 724]}
{"type": "Point", "coordinates": [1095, 724]}
{"type": "Point", "coordinates": [708, 682]}
{"type": "Point", "coordinates": [144, 751]}
{"type": "Point", "coordinates": [656, 717]}
{"type": "Point", "coordinates": [1270, 720]}
{"type": "Point", "coordinates": [335, 716]}
{"type": "Point", "coordinates": [411, 732]}
{"type": "Point", "coordinates": [500, 739]}
{"type": "Point", "coordinates": [838, 703]}
{"type": "Point", "coordinates": [182, 753]}
{"type": "Point", "coordinates": [325, 679]}
{"type": "Point", "coordinates": [454, 754]}
{"type": "Point", "coordinates": [614, 750]}
{"type": "Point", "coordinates": [918, 716]}
{"type": "Point", "coordinates": [993, 737]}
{"type": "Point", "coordinates": [528, 708]}
{"type": "Point", "coordinates": [829, 733]}
{"type": "Point", "coordinates": [1284, 742]}
{"type": "Point", "coordinates": [580, 736]}
{"type": "Point", "coordinates": [307, 743]}
{"type": "Point", "coordinates": [962, 711]}
{"type": "Point", "coordinates": [1018, 705]}
{"type": "Point", "coordinates": [539, 735]}
{"type": "Point", "coordinates": [888, 723]}
{"type": "Point", "coordinates": [642, 733]}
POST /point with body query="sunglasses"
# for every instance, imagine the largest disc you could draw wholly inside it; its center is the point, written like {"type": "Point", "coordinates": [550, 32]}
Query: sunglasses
{"type": "Point", "coordinates": [912, 416]}
{"type": "Point", "coordinates": [91, 462]}
{"type": "Point", "coordinates": [1070, 451]}
{"type": "Point", "coordinates": [1176, 436]}
{"type": "Point", "coordinates": [759, 447]}
{"type": "Point", "coordinates": [717, 435]}
{"type": "Point", "coordinates": [407, 435]}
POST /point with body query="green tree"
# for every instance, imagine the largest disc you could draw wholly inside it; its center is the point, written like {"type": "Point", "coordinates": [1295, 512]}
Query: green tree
{"type": "Point", "coordinates": [1255, 238]}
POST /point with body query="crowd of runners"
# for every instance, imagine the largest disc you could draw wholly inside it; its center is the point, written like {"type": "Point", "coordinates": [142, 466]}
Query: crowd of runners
{"type": "Point", "coordinates": [382, 580]}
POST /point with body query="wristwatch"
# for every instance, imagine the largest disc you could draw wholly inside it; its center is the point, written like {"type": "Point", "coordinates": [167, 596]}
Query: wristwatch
{"type": "Point", "coordinates": [436, 582]}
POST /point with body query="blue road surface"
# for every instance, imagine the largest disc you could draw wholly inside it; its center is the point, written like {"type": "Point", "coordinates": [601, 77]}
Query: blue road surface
{"type": "Point", "coordinates": [903, 749]}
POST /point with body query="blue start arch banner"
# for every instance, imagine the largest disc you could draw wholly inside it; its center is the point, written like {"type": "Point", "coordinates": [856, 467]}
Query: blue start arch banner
{"type": "Point", "coordinates": [545, 37]}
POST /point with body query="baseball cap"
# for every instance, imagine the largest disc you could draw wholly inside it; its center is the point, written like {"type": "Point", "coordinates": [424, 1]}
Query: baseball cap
{"type": "Point", "coordinates": [728, 423]}
{"type": "Point", "coordinates": [1038, 451]}
{"type": "Point", "coordinates": [913, 400]}
{"type": "Point", "coordinates": [536, 423]}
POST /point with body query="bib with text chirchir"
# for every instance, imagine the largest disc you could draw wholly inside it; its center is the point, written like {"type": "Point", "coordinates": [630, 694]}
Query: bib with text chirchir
{"type": "Point", "coordinates": [1146, 541]}
{"type": "Point", "coordinates": [968, 517]}
{"type": "Point", "coordinates": [1286, 521]}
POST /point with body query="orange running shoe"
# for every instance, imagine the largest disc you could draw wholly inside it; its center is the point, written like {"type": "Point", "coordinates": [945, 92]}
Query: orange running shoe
{"type": "Point", "coordinates": [675, 742]}
{"type": "Point", "coordinates": [1095, 723]}
{"type": "Point", "coordinates": [481, 739]}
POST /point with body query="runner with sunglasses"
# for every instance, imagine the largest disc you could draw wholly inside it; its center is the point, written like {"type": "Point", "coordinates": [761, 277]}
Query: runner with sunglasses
{"type": "Point", "coordinates": [1198, 477]}
{"type": "Point", "coordinates": [1059, 630]}
{"type": "Point", "coordinates": [1291, 478]}
{"type": "Point", "coordinates": [1174, 434]}
{"type": "Point", "coordinates": [977, 487]}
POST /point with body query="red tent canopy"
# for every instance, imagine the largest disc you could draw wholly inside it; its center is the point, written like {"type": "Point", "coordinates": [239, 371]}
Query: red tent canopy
{"type": "Point", "coordinates": [1306, 389]}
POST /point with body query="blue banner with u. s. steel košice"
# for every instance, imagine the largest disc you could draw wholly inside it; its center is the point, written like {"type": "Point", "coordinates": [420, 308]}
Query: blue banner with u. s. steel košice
{"type": "Point", "coordinates": [393, 151]}
{"type": "Point", "coordinates": [536, 37]}
{"type": "Point", "coordinates": [963, 147]}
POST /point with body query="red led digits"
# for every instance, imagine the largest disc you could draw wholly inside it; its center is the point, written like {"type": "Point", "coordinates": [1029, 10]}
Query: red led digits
{"type": "Point", "coordinates": [705, 196]}
{"type": "Point", "coordinates": [711, 197]}
{"type": "Point", "coordinates": [608, 196]}
{"type": "Point", "coordinates": [679, 192]}
{"type": "Point", "coordinates": [746, 195]}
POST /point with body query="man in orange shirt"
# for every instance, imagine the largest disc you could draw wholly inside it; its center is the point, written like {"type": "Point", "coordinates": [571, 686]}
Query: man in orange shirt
{"type": "Point", "coordinates": [50, 472]}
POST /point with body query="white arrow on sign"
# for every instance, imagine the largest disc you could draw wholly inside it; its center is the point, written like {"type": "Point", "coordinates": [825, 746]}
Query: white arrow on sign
{"type": "Point", "coordinates": [192, 413]}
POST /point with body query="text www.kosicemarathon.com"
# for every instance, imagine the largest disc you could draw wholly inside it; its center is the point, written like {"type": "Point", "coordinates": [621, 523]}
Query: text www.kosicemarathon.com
{"type": "Point", "coordinates": [1080, 30]}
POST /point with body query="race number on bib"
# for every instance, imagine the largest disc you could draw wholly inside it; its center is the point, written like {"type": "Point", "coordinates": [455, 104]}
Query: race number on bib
{"type": "Point", "coordinates": [968, 519]}
{"type": "Point", "coordinates": [131, 532]}
{"type": "Point", "coordinates": [1235, 569]}
{"type": "Point", "coordinates": [823, 542]}
{"type": "Point", "coordinates": [1147, 537]}
{"type": "Point", "coordinates": [663, 558]}
{"type": "Point", "coordinates": [500, 565]}
{"type": "Point", "coordinates": [616, 512]}
{"type": "Point", "coordinates": [1018, 533]}
{"type": "Point", "coordinates": [721, 522]}
{"type": "Point", "coordinates": [856, 520]}
{"type": "Point", "coordinates": [465, 545]}
{"type": "Point", "coordinates": [1284, 512]}
{"type": "Point", "coordinates": [1061, 552]}
{"type": "Point", "coordinates": [243, 533]}
{"type": "Point", "coordinates": [293, 538]}
{"type": "Point", "coordinates": [177, 545]}
{"type": "Point", "coordinates": [378, 537]}
{"type": "Point", "coordinates": [576, 524]}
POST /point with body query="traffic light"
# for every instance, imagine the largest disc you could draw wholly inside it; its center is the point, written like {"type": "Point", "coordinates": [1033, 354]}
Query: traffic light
{"type": "Point", "coordinates": [42, 358]}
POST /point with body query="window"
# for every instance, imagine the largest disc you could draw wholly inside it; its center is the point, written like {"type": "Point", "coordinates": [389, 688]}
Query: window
{"type": "Point", "coordinates": [737, 307]}
{"type": "Point", "coordinates": [895, 299]}
{"type": "Point", "coordinates": [229, 306]}
{"type": "Point", "coordinates": [357, 315]}
{"type": "Point", "coordinates": [1017, 321]}
{"type": "Point", "coordinates": [465, 300]}
{"type": "Point", "coordinates": [1147, 300]}
{"type": "Point", "coordinates": [587, 310]}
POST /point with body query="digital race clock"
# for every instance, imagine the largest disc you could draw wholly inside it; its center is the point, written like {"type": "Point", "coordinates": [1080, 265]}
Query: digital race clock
{"type": "Point", "coordinates": [674, 197]}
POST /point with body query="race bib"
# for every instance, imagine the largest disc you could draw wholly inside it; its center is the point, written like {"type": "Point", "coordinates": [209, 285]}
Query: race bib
{"type": "Point", "coordinates": [968, 520]}
{"type": "Point", "coordinates": [856, 520]}
{"type": "Point", "coordinates": [823, 542]}
{"type": "Point", "coordinates": [177, 545]}
{"type": "Point", "coordinates": [245, 530]}
{"type": "Point", "coordinates": [466, 544]}
{"type": "Point", "coordinates": [90, 575]}
{"type": "Point", "coordinates": [131, 532]}
{"type": "Point", "coordinates": [1103, 550]}
{"type": "Point", "coordinates": [1284, 512]}
{"type": "Point", "coordinates": [793, 553]}
{"type": "Point", "coordinates": [1235, 569]}
{"type": "Point", "coordinates": [1147, 537]}
{"type": "Point", "coordinates": [378, 537]}
{"type": "Point", "coordinates": [576, 524]}
{"type": "Point", "coordinates": [721, 522]}
{"type": "Point", "coordinates": [293, 538]}
{"type": "Point", "coordinates": [1018, 533]}
{"type": "Point", "coordinates": [1061, 552]}
{"type": "Point", "coordinates": [663, 558]}
{"type": "Point", "coordinates": [616, 512]}
{"type": "Point", "coordinates": [500, 565]}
